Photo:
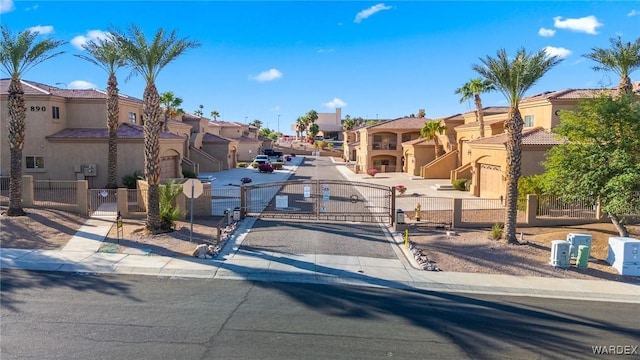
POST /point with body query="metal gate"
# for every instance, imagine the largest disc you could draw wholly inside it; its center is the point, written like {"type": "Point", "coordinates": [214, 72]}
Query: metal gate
{"type": "Point", "coordinates": [329, 200]}
{"type": "Point", "coordinates": [103, 202]}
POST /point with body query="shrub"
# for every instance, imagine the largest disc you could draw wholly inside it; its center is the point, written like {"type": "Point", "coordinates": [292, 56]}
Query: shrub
{"type": "Point", "coordinates": [401, 188]}
{"type": "Point", "coordinates": [245, 180]}
{"type": "Point", "coordinates": [242, 165]}
{"type": "Point", "coordinates": [169, 212]}
{"type": "Point", "coordinates": [372, 172]}
{"type": "Point", "coordinates": [254, 165]}
{"type": "Point", "coordinates": [277, 165]}
{"type": "Point", "coordinates": [265, 168]}
{"type": "Point", "coordinates": [330, 146]}
{"type": "Point", "coordinates": [287, 158]}
{"type": "Point", "coordinates": [130, 181]}
{"type": "Point", "coordinates": [460, 184]}
{"type": "Point", "coordinates": [496, 231]}
{"type": "Point", "coordinates": [189, 174]}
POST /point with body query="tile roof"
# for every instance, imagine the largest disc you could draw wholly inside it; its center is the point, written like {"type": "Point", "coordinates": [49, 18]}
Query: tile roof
{"type": "Point", "coordinates": [215, 138]}
{"type": "Point", "coordinates": [531, 136]}
{"type": "Point", "coordinates": [125, 131]}
{"type": "Point", "coordinates": [402, 123]}
{"type": "Point", "coordinates": [477, 124]}
{"type": "Point", "coordinates": [419, 141]}
{"type": "Point", "coordinates": [491, 110]}
{"type": "Point", "coordinates": [573, 94]}
{"type": "Point", "coordinates": [35, 88]}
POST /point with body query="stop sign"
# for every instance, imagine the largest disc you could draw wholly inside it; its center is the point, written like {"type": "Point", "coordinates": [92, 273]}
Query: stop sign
{"type": "Point", "coordinates": [192, 188]}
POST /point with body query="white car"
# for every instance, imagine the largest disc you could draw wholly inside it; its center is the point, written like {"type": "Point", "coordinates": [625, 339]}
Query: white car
{"type": "Point", "coordinates": [261, 159]}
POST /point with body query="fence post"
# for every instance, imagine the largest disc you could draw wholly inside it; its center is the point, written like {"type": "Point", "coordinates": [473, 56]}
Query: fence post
{"type": "Point", "coordinates": [598, 210]}
{"type": "Point", "coordinates": [27, 190]}
{"type": "Point", "coordinates": [122, 196]}
{"type": "Point", "coordinates": [456, 215]}
{"type": "Point", "coordinates": [532, 208]}
{"type": "Point", "coordinates": [83, 197]}
{"type": "Point", "coordinates": [243, 202]}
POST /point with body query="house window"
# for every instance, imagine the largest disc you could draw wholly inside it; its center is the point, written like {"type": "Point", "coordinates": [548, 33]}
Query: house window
{"type": "Point", "coordinates": [34, 162]}
{"type": "Point", "coordinates": [132, 117]}
{"type": "Point", "coordinates": [528, 121]}
{"type": "Point", "coordinates": [55, 112]}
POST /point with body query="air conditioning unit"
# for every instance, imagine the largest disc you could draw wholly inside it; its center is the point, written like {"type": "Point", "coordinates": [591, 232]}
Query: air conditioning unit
{"type": "Point", "coordinates": [560, 253]}
{"type": "Point", "coordinates": [576, 240]}
{"type": "Point", "coordinates": [90, 170]}
{"type": "Point", "coordinates": [624, 255]}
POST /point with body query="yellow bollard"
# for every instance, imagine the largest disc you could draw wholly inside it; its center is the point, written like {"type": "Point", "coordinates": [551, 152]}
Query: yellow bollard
{"type": "Point", "coordinates": [406, 238]}
{"type": "Point", "coordinates": [418, 212]}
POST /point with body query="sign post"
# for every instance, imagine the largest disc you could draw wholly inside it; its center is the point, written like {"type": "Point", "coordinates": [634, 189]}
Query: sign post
{"type": "Point", "coordinates": [192, 188]}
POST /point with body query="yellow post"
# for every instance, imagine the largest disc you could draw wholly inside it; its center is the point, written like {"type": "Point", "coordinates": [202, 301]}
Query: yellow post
{"type": "Point", "coordinates": [406, 238]}
{"type": "Point", "coordinates": [417, 212]}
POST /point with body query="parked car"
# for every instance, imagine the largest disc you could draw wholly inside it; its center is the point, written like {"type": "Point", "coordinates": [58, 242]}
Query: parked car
{"type": "Point", "coordinates": [261, 159]}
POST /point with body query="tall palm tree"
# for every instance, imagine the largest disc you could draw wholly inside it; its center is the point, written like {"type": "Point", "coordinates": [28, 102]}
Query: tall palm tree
{"type": "Point", "coordinates": [431, 130]}
{"type": "Point", "coordinates": [106, 54]}
{"type": "Point", "coordinates": [215, 114]}
{"type": "Point", "coordinates": [257, 123]}
{"type": "Point", "coordinates": [199, 111]}
{"type": "Point", "coordinates": [300, 126]}
{"type": "Point", "coordinates": [148, 59]}
{"type": "Point", "coordinates": [18, 54]}
{"type": "Point", "coordinates": [474, 88]}
{"type": "Point", "coordinates": [171, 107]}
{"type": "Point", "coordinates": [513, 77]}
{"type": "Point", "coordinates": [622, 58]}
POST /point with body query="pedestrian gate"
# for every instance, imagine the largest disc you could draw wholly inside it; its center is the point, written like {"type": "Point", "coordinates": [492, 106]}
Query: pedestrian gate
{"type": "Point", "coordinates": [328, 200]}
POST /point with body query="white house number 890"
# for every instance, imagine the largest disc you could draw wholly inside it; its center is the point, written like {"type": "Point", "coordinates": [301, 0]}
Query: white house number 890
{"type": "Point", "coordinates": [38, 108]}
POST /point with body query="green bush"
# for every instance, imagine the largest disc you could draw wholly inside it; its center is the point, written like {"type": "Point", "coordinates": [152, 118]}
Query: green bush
{"type": "Point", "coordinates": [460, 184]}
{"type": "Point", "coordinates": [242, 165]}
{"type": "Point", "coordinates": [130, 181]}
{"type": "Point", "coordinates": [189, 174]}
{"type": "Point", "coordinates": [496, 231]}
{"type": "Point", "coordinates": [169, 212]}
{"type": "Point", "coordinates": [254, 165]}
{"type": "Point", "coordinates": [276, 165]}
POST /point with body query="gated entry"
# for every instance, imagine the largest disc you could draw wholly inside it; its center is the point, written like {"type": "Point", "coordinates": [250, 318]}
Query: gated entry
{"type": "Point", "coordinates": [103, 202]}
{"type": "Point", "coordinates": [329, 200]}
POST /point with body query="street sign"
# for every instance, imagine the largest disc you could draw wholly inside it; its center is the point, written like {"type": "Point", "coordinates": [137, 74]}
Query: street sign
{"type": "Point", "coordinates": [192, 188]}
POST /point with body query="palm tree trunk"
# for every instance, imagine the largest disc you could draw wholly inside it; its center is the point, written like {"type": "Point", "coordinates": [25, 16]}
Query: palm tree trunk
{"type": "Point", "coordinates": [113, 112]}
{"type": "Point", "coordinates": [435, 146]}
{"type": "Point", "coordinates": [625, 86]}
{"type": "Point", "coordinates": [17, 115]}
{"type": "Point", "coordinates": [478, 102]}
{"type": "Point", "coordinates": [151, 110]}
{"type": "Point", "coordinates": [513, 127]}
{"type": "Point", "coordinates": [165, 125]}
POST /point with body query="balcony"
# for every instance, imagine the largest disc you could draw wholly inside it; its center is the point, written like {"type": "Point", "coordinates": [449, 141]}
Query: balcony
{"type": "Point", "coordinates": [383, 146]}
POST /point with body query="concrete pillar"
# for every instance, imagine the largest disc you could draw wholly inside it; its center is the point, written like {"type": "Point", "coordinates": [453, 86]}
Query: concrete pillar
{"type": "Point", "coordinates": [456, 218]}
{"type": "Point", "coordinates": [27, 190]}
{"type": "Point", "coordinates": [83, 197]}
{"type": "Point", "coordinates": [123, 201]}
{"type": "Point", "coordinates": [532, 209]}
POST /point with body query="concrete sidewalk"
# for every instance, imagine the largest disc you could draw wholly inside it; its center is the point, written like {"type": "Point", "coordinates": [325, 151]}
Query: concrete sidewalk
{"type": "Point", "coordinates": [80, 256]}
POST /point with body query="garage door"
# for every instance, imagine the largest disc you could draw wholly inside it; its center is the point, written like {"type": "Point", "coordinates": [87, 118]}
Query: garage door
{"type": "Point", "coordinates": [491, 184]}
{"type": "Point", "coordinates": [168, 167]}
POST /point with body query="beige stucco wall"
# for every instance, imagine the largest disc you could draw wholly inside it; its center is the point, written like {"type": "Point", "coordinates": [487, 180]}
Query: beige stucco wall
{"type": "Point", "coordinates": [220, 151]}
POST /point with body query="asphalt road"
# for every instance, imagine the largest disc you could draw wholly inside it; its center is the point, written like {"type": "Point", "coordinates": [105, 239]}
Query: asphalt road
{"type": "Point", "coordinates": [75, 316]}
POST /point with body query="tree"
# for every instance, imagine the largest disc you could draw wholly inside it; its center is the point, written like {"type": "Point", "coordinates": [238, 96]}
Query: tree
{"type": "Point", "coordinates": [18, 54]}
{"type": "Point", "coordinates": [257, 123]}
{"type": "Point", "coordinates": [265, 132]}
{"type": "Point", "coordinates": [513, 77]}
{"type": "Point", "coordinates": [600, 159]}
{"type": "Point", "coordinates": [348, 124]}
{"type": "Point", "coordinates": [622, 58]}
{"type": "Point", "coordinates": [171, 107]}
{"type": "Point", "coordinates": [431, 130]}
{"type": "Point", "coordinates": [421, 113]}
{"type": "Point", "coordinates": [300, 126]}
{"type": "Point", "coordinates": [473, 88]}
{"type": "Point", "coordinates": [148, 59]}
{"type": "Point", "coordinates": [215, 115]}
{"type": "Point", "coordinates": [199, 111]}
{"type": "Point", "coordinates": [314, 129]}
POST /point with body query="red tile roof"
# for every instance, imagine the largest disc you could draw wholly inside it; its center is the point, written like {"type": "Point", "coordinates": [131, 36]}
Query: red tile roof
{"type": "Point", "coordinates": [35, 88]}
{"type": "Point", "coordinates": [575, 93]}
{"type": "Point", "coordinates": [125, 131]}
{"type": "Point", "coordinates": [531, 136]}
{"type": "Point", "coordinates": [402, 123]}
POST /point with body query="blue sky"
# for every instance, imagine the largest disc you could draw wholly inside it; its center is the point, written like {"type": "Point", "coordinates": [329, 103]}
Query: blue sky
{"type": "Point", "coordinates": [276, 60]}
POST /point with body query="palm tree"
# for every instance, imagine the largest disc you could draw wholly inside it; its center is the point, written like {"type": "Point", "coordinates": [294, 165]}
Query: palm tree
{"type": "Point", "coordinates": [18, 54]}
{"type": "Point", "coordinates": [431, 130]}
{"type": "Point", "coordinates": [148, 59]}
{"type": "Point", "coordinates": [215, 115]}
{"type": "Point", "coordinates": [300, 126]}
{"type": "Point", "coordinates": [257, 123]}
{"type": "Point", "coordinates": [106, 54]}
{"type": "Point", "coordinates": [348, 124]}
{"type": "Point", "coordinates": [171, 109]}
{"type": "Point", "coordinates": [513, 77]}
{"type": "Point", "coordinates": [622, 58]}
{"type": "Point", "coordinates": [199, 111]}
{"type": "Point", "coordinates": [474, 88]}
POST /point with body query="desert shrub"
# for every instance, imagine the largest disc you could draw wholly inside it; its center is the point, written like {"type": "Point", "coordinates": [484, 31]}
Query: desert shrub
{"type": "Point", "coordinates": [496, 231]}
{"type": "Point", "coordinates": [169, 212]}
{"type": "Point", "coordinates": [401, 188]}
{"type": "Point", "coordinates": [254, 165]}
{"type": "Point", "coordinates": [330, 146]}
{"type": "Point", "coordinates": [277, 165]}
{"type": "Point", "coordinates": [265, 168]}
{"type": "Point", "coordinates": [460, 184]}
{"type": "Point", "coordinates": [242, 165]}
{"type": "Point", "coordinates": [372, 172]}
{"type": "Point", "coordinates": [189, 174]}
{"type": "Point", "coordinates": [130, 181]}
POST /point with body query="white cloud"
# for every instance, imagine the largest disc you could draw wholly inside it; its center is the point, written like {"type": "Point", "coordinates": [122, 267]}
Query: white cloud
{"type": "Point", "coordinates": [42, 30]}
{"type": "Point", "coordinates": [6, 6]}
{"type": "Point", "coordinates": [91, 35]}
{"type": "Point", "coordinates": [546, 32]}
{"type": "Point", "coordinates": [557, 51]}
{"type": "Point", "coordinates": [335, 103]}
{"type": "Point", "coordinates": [269, 75]}
{"type": "Point", "coordinates": [587, 24]}
{"type": "Point", "coordinates": [81, 84]}
{"type": "Point", "coordinates": [633, 12]}
{"type": "Point", "coordinates": [326, 50]}
{"type": "Point", "coordinates": [370, 11]}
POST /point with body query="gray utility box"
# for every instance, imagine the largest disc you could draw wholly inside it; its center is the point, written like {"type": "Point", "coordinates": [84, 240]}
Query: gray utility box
{"type": "Point", "coordinates": [560, 253]}
{"type": "Point", "coordinates": [577, 240]}
{"type": "Point", "coordinates": [624, 255]}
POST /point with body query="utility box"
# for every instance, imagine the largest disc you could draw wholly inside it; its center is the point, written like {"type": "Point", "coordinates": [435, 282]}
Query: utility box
{"type": "Point", "coordinates": [576, 240]}
{"type": "Point", "coordinates": [560, 253]}
{"type": "Point", "coordinates": [90, 170]}
{"type": "Point", "coordinates": [236, 214]}
{"type": "Point", "coordinates": [624, 255]}
{"type": "Point", "coordinates": [399, 216]}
